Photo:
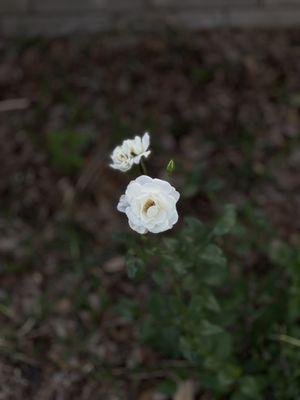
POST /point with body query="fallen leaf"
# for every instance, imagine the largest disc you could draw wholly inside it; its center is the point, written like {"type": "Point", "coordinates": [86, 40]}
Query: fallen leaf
{"type": "Point", "coordinates": [115, 264]}
{"type": "Point", "coordinates": [185, 391]}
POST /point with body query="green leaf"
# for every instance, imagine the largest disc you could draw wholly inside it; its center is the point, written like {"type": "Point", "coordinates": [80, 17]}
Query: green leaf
{"type": "Point", "coordinates": [211, 302]}
{"type": "Point", "coordinates": [250, 387]}
{"type": "Point", "coordinates": [227, 221]}
{"type": "Point", "coordinates": [134, 264]}
{"type": "Point", "coordinates": [193, 224]}
{"type": "Point", "coordinates": [180, 266]}
{"type": "Point", "coordinates": [212, 254]}
{"type": "Point", "coordinates": [228, 375]}
{"type": "Point", "coordinates": [207, 328]}
{"type": "Point", "coordinates": [171, 244]}
{"type": "Point", "coordinates": [159, 277]}
{"type": "Point", "coordinates": [223, 347]}
{"type": "Point", "coordinates": [187, 349]}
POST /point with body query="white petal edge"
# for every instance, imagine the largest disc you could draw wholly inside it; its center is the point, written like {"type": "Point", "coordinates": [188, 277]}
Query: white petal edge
{"type": "Point", "coordinates": [123, 204]}
{"type": "Point", "coordinates": [146, 140]}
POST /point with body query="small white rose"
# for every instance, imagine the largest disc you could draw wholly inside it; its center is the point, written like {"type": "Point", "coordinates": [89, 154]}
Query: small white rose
{"type": "Point", "coordinates": [150, 205]}
{"type": "Point", "coordinates": [121, 159]}
{"type": "Point", "coordinates": [130, 152]}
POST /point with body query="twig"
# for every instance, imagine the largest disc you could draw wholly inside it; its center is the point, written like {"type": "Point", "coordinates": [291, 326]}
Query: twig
{"type": "Point", "coordinates": [166, 369]}
{"type": "Point", "coordinates": [14, 105]}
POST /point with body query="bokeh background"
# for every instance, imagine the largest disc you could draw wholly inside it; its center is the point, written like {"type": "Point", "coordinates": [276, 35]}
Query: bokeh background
{"type": "Point", "coordinates": [223, 103]}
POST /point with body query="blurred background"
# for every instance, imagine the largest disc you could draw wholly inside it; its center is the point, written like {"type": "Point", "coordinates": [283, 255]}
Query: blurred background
{"type": "Point", "coordinates": [217, 85]}
{"type": "Point", "coordinates": [54, 17]}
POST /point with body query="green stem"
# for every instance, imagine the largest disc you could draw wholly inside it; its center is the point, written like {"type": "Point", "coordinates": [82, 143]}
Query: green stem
{"type": "Point", "coordinates": [143, 167]}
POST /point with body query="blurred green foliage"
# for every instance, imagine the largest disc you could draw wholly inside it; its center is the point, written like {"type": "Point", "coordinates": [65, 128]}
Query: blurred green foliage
{"type": "Point", "coordinates": [66, 150]}
{"type": "Point", "coordinates": [230, 320]}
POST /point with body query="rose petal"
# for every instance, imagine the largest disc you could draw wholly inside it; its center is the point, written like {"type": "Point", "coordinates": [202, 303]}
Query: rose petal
{"type": "Point", "coordinates": [146, 140]}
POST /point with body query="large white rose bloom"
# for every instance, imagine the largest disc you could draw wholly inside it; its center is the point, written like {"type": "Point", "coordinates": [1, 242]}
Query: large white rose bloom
{"type": "Point", "coordinates": [150, 205]}
{"type": "Point", "coordinates": [130, 152]}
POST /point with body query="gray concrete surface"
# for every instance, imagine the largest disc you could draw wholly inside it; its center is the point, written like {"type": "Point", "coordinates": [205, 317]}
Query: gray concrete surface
{"type": "Point", "coordinates": [57, 17]}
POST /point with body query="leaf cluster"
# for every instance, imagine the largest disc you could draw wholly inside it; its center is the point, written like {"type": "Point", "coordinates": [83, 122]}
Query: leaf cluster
{"type": "Point", "coordinates": [231, 322]}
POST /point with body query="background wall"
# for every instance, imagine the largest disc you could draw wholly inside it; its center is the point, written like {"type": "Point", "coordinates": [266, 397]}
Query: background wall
{"type": "Point", "coordinates": [54, 17]}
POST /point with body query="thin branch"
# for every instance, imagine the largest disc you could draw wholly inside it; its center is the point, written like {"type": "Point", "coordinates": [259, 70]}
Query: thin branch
{"type": "Point", "coordinates": [14, 105]}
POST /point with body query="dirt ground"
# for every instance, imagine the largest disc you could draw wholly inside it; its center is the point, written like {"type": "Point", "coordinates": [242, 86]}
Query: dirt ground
{"type": "Point", "coordinates": [224, 104]}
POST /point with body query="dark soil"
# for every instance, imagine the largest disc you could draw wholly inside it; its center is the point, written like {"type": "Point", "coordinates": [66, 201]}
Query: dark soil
{"type": "Point", "coordinates": [225, 105]}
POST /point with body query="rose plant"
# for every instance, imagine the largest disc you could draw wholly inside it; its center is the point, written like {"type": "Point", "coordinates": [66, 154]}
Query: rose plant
{"type": "Point", "coordinates": [219, 320]}
{"type": "Point", "coordinates": [190, 269]}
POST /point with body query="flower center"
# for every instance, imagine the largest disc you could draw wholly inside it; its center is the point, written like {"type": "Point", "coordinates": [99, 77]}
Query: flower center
{"type": "Point", "coordinates": [149, 203]}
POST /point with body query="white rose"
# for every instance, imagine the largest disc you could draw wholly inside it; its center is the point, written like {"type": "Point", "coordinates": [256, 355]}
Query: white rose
{"type": "Point", "coordinates": [130, 152]}
{"type": "Point", "coordinates": [137, 147]}
{"type": "Point", "coordinates": [121, 159]}
{"type": "Point", "coordinates": [150, 205]}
